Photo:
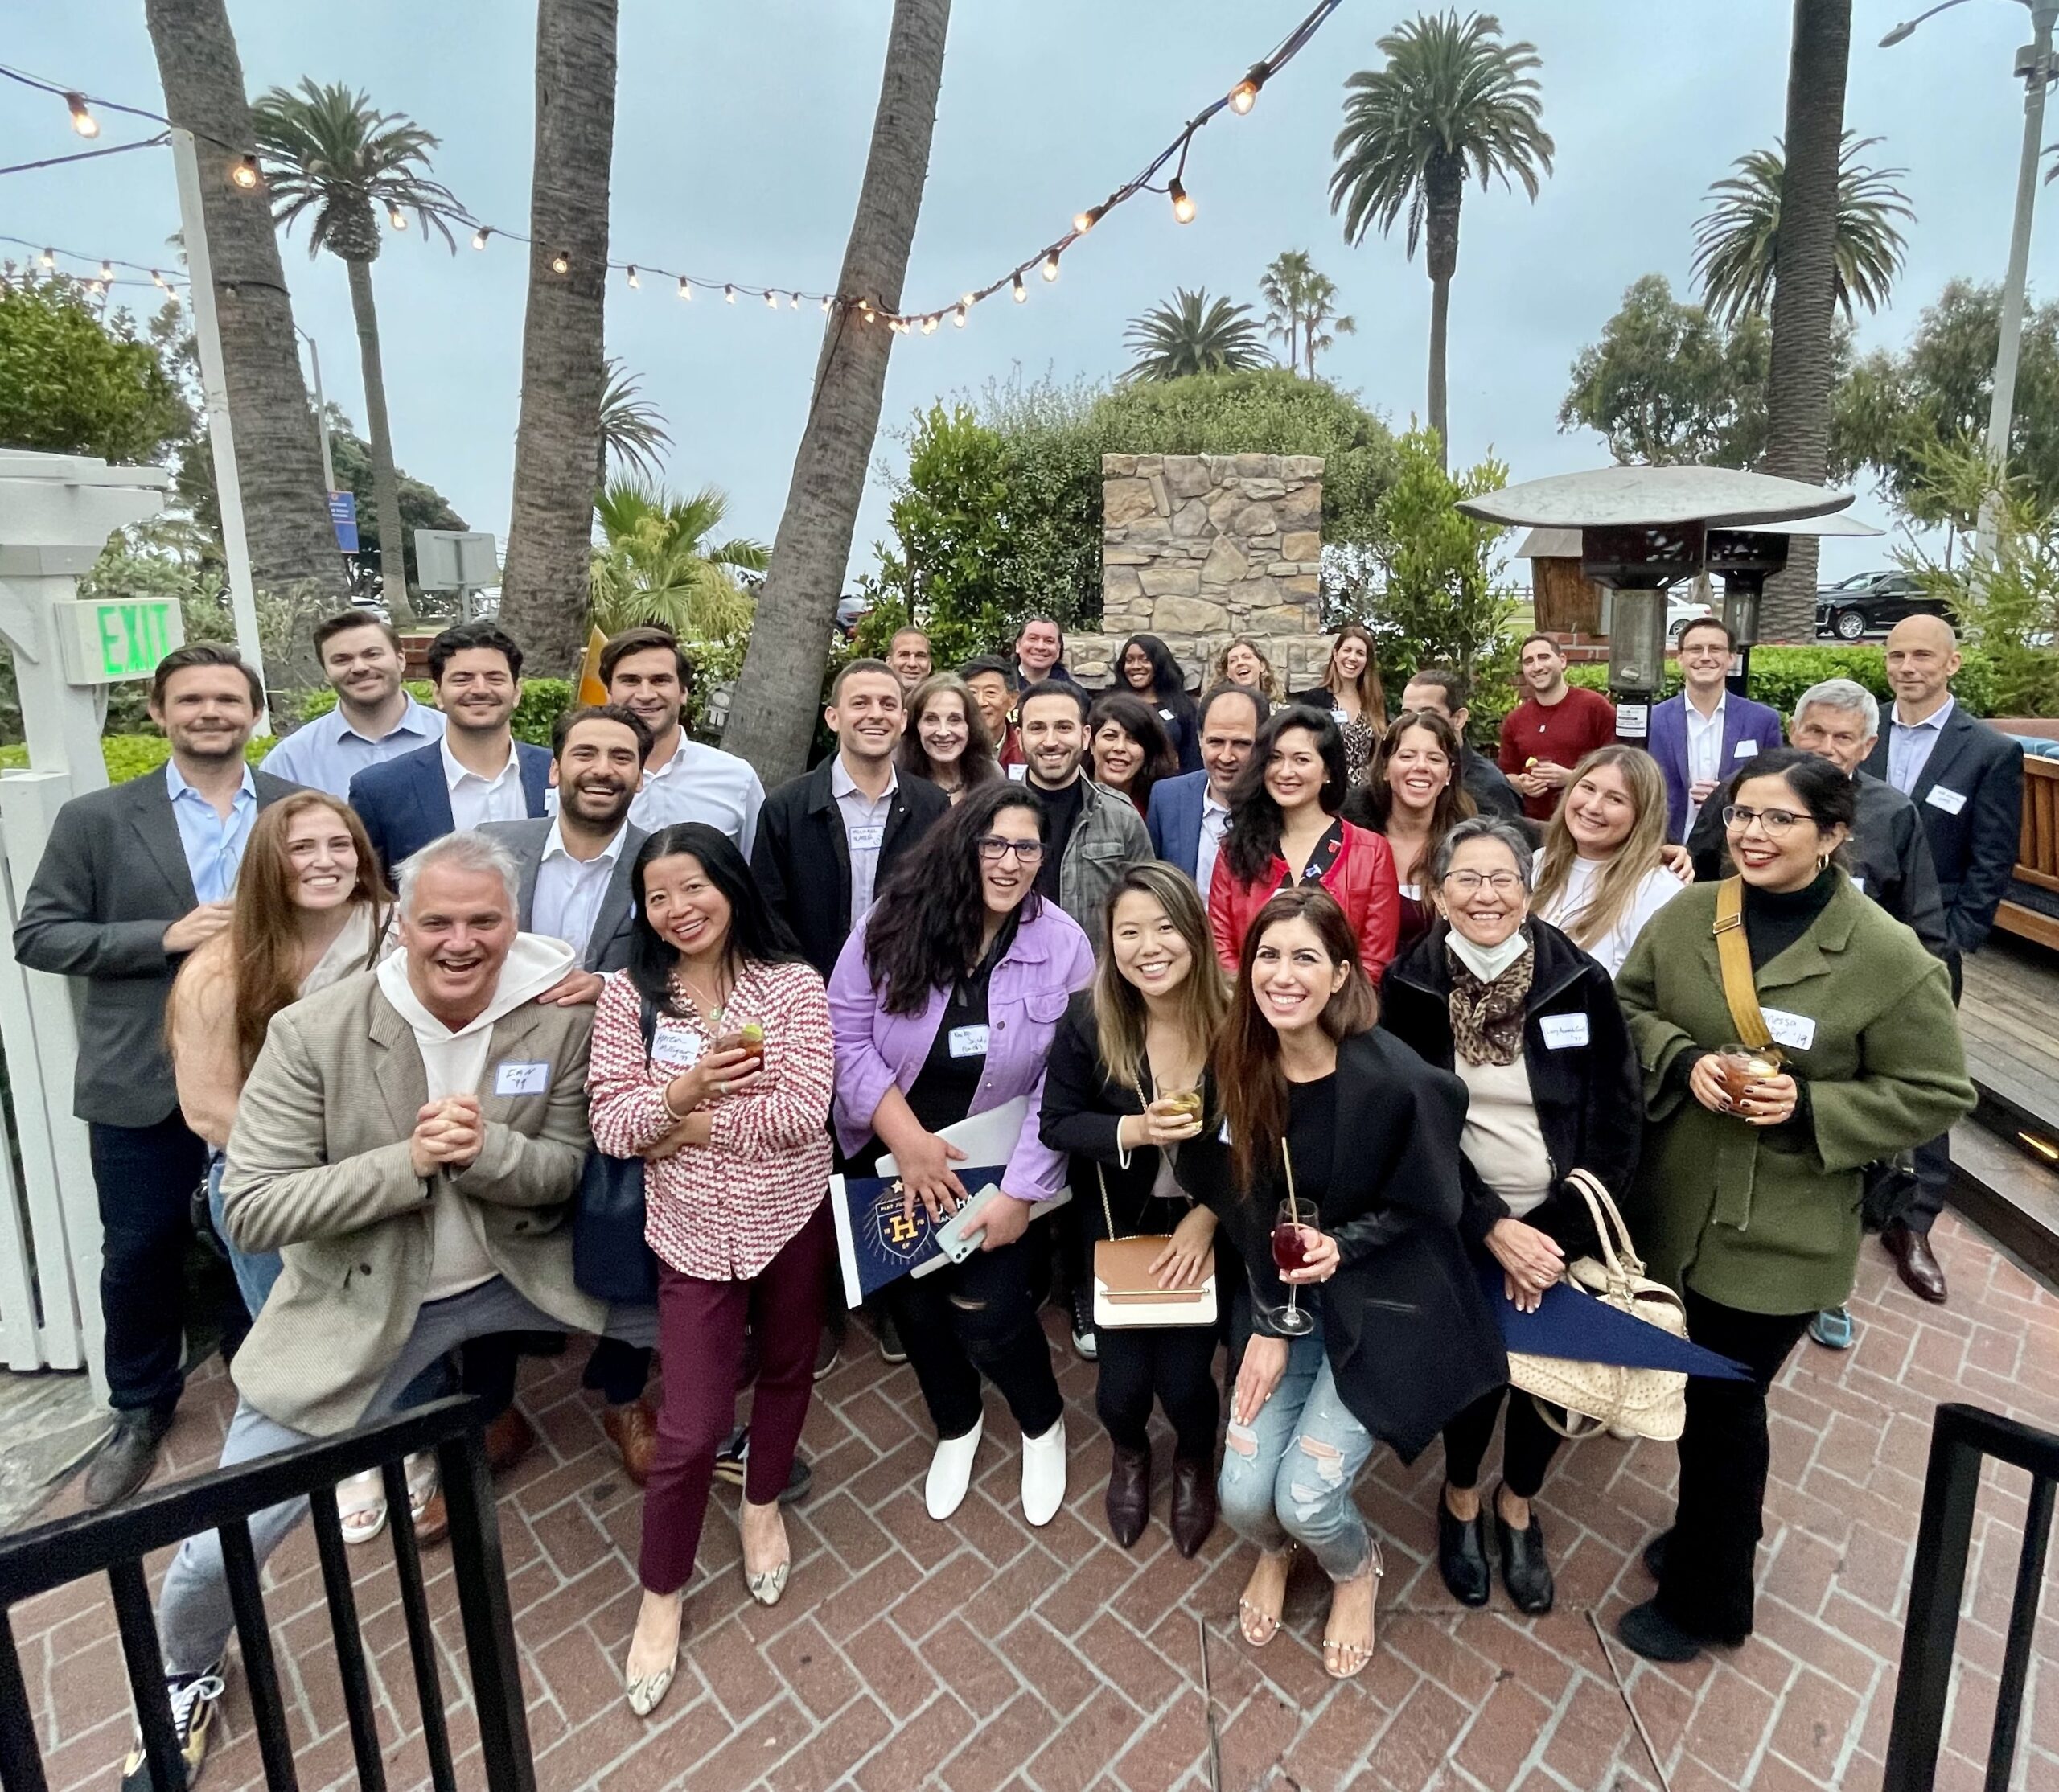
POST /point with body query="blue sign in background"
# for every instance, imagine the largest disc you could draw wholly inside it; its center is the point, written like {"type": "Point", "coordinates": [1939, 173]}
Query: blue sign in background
{"type": "Point", "coordinates": [343, 514]}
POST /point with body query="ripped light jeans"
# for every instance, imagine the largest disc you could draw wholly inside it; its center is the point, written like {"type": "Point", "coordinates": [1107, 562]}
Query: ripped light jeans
{"type": "Point", "coordinates": [1289, 1474]}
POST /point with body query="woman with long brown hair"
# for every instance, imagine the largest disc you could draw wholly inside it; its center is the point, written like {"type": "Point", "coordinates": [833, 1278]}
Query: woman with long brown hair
{"type": "Point", "coordinates": [1129, 746]}
{"type": "Point", "coordinates": [1353, 694]}
{"type": "Point", "coordinates": [1339, 1183]}
{"type": "Point", "coordinates": [1600, 874]}
{"type": "Point", "coordinates": [1415, 796]}
{"type": "Point", "coordinates": [946, 740]}
{"type": "Point", "coordinates": [1243, 662]}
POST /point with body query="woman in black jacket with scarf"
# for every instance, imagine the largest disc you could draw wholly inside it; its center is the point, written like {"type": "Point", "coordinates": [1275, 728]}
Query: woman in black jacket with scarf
{"type": "Point", "coordinates": [1530, 1024]}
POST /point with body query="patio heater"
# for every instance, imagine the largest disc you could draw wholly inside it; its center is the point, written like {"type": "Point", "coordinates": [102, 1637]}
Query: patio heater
{"type": "Point", "coordinates": [1746, 559]}
{"type": "Point", "coordinates": [1639, 565]}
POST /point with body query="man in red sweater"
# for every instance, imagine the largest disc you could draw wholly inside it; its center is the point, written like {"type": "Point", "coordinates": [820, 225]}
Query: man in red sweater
{"type": "Point", "coordinates": [1554, 728]}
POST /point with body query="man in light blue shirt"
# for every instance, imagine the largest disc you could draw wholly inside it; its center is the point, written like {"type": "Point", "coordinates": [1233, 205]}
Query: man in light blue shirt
{"type": "Point", "coordinates": [375, 719]}
{"type": "Point", "coordinates": [213, 837]}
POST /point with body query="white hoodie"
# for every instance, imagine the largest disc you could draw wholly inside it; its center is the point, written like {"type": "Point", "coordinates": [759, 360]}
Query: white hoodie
{"type": "Point", "coordinates": [454, 1063]}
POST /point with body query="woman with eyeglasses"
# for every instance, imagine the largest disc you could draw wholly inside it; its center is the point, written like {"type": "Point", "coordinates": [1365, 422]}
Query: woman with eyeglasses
{"type": "Point", "coordinates": [1601, 875]}
{"type": "Point", "coordinates": [1415, 798]}
{"type": "Point", "coordinates": [946, 740]}
{"type": "Point", "coordinates": [1127, 747]}
{"type": "Point", "coordinates": [944, 1003]}
{"type": "Point", "coordinates": [1747, 1198]}
{"type": "Point", "coordinates": [1351, 691]}
{"type": "Point", "coordinates": [1149, 672]}
{"type": "Point", "coordinates": [1530, 1024]}
{"type": "Point", "coordinates": [1339, 1183]}
{"type": "Point", "coordinates": [1285, 829]}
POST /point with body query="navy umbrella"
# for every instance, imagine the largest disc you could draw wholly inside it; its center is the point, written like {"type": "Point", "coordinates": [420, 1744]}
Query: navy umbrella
{"type": "Point", "coordinates": [1571, 1323]}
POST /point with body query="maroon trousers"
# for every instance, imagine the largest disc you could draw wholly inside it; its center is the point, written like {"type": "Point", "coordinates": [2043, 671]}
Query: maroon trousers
{"type": "Point", "coordinates": [701, 1344]}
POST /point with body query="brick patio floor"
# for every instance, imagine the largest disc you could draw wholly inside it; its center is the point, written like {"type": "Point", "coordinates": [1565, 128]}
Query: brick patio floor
{"type": "Point", "coordinates": [984, 1654]}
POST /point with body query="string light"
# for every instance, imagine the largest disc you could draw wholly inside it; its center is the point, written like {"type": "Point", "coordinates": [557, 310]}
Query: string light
{"type": "Point", "coordinates": [827, 302]}
{"type": "Point", "coordinates": [107, 271]}
{"type": "Point", "coordinates": [83, 121]}
{"type": "Point", "coordinates": [729, 295]}
{"type": "Point", "coordinates": [243, 172]}
{"type": "Point", "coordinates": [1183, 207]}
{"type": "Point", "coordinates": [480, 235]}
{"type": "Point", "coordinates": [1084, 221]}
{"type": "Point", "coordinates": [957, 317]}
{"type": "Point", "coordinates": [772, 299]}
{"type": "Point", "coordinates": [633, 281]}
{"type": "Point", "coordinates": [397, 217]}
{"type": "Point", "coordinates": [1021, 291]}
{"type": "Point", "coordinates": [1244, 94]}
{"type": "Point", "coordinates": [1051, 265]}
{"type": "Point", "coordinates": [685, 287]}
{"type": "Point", "coordinates": [796, 304]}
{"type": "Point", "coordinates": [50, 258]}
{"type": "Point", "coordinates": [560, 262]}
{"type": "Point", "coordinates": [158, 280]}
{"type": "Point", "coordinates": [929, 326]}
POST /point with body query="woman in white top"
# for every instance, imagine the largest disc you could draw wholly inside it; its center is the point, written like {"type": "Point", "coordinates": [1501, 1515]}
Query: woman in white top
{"type": "Point", "coordinates": [1601, 876]}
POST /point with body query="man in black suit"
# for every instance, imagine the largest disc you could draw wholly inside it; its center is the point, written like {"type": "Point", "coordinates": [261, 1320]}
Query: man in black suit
{"type": "Point", "coordinates": [134, 878]}
{"type": "Point", "coordinates": [1966, 780]}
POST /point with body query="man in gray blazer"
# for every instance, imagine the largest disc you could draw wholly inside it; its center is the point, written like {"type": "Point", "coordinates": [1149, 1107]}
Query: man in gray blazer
{"type": "Point", "coordinates": [133, 878]}
{"type": "Point", "coordinates": [410, 1141]}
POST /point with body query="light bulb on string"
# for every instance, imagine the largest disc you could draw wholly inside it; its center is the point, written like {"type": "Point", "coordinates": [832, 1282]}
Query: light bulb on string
{"type": "Point", "coordinates": [397, 217]}
{"type": "Point", "coordinates": [243, 172]}
{"type": "Point", "coordinates": [633, 281]}
{"type": "Point", "coordinates": [929, 326]}
{"type": "Point", "coordinates": [966, 301]}
{"type": "Point", "coordinates": [107, 271]}
{"type": "Point", "coordinates": [772, 299]}
{"type": "Point", "coordinates": [1183, 207]}
{"type": "Point", "coordinates": [48, 258]}
{"type": "Point", "coordinates": [685, 287]}
{"type": "Point", "coordinates": [1084, 221]}
{"type": "Point", "coordinates": [957, 317]}
{"type": "Point", "coordinates": [1244, 94]}
{"type": "Point", "coordinates": [1051, 265]}
{"type": "Point", "coordinates": [1021, 291]}
{"type": "Point", "coordinates": [560, 262]}
{"type": "Point", "coordinates": [827, 303]}
{"type": "Point", "coordinates": [480, 235]}
{"type": "Point", "coordinates": [157, 280]}
{"type": "Point", "coordinates": [728, 295]}
{"type": "Point", "coordinates": [83, 121]}
{"type": "Point", "coordinates": [796, 298]}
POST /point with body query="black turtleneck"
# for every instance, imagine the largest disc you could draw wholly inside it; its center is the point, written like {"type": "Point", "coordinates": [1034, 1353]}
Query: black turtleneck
{"type": "Point", "coordinates": [1775, 918]}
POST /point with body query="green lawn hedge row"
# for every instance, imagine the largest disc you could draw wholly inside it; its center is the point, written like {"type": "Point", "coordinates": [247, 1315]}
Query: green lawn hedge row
{"type": "Point", "coordinates": [1780, 675]}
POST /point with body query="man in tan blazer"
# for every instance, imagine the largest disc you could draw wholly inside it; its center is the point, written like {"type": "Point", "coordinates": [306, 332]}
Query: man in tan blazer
{"type": "Point", "coordinates": [410, 1141]}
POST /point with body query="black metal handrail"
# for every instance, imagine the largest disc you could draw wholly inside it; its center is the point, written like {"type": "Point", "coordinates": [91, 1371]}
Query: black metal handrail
{"type": "Point", "coordinates": [116, 1541]}
{"type": "Point", "coordinates": [1962, 1437]}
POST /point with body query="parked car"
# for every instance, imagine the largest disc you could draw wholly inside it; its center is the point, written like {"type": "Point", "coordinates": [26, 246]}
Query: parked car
{"type": "Point", "coordinates": [1681, 609]}
{"type": "Point", "coordinates": [1872, 603]}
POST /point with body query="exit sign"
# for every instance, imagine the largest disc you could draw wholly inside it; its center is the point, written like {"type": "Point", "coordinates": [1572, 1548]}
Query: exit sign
{"type": "Point", "coordinates": [107, 640]}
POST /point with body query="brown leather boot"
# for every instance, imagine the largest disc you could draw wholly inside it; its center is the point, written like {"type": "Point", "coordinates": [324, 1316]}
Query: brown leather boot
{"type": "Point", "coordinates": [1194, 1504]}
{"type": "Point", "coordinates": [632, 1427]}
{"type": "Point", "coordinates": [509, 1439]}
{"type": "Point", "coordinates": [1129, 1494]}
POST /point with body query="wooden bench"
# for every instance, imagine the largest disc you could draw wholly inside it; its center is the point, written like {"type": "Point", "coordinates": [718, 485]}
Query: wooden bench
{"type": "Point", "coordinates": [2037, 858]}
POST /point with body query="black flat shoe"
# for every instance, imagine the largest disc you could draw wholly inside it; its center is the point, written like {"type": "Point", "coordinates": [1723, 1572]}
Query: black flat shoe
{"type": "Point", "coordinates": [1655, 1555]}
{"type": "Point", "coordinates": [1647, 1631]}
{"type": "Point", "coordinates": [1462, 1555]}
{"type": "Point", "coordinates": [1524, 1571]}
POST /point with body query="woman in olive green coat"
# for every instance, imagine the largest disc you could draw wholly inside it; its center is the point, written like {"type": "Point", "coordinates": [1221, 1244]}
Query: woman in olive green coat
{"type": "Point", "coordinates": [1749, 1205]}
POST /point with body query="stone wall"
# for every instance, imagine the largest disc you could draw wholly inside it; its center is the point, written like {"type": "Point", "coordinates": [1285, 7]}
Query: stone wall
{"type": "Point", "coordinates": [1201, 548]}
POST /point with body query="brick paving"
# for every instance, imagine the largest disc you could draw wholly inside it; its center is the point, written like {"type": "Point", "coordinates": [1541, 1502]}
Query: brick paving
{"type": "Point", "coordinates": [985, 1655]}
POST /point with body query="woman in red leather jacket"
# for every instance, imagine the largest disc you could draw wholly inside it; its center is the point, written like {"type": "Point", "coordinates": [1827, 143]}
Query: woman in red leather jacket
{"type": "Point", "coordinates": [1284, 829]}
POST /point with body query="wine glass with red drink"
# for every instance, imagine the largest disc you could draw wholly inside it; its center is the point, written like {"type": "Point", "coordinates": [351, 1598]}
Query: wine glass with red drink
{"type": "Point", "coordinates": [1292, 1238]}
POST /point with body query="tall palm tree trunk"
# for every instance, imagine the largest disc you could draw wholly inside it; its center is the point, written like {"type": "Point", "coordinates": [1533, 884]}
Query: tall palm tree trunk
{"type": "Point", "coordinates": [772, 716]}
{"type": "Point", "coordinates": [1804, 302]}
{"type": "Point", "coordinates": [278, 447]}
{"type": "Point", "coordinates": [544, 582]}
{"type": "Point", "coordinates": [385, 482]}
{"type": "Point", "coordinates": [1444, 189]}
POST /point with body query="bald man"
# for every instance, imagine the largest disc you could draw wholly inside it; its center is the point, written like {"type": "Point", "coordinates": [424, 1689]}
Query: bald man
{"type": "Point", "coordinates": [1967, 781]}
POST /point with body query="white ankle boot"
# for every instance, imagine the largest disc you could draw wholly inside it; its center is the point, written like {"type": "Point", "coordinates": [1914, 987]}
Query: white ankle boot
{"type": "Point", "coordinates": [951, 1472]}
{"type": "Point", "coordinates": [1043, 1475]}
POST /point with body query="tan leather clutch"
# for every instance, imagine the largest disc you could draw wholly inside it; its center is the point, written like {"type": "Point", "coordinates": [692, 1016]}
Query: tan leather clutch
{"type": "Point", "coordinates": [1123, 1266]}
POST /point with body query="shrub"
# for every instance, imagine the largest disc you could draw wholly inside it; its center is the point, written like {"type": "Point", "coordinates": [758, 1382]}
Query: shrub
{"type": "Point", "coordinates": [130, 756]}
{"type": "Point", "coordinates": [1781, 674]}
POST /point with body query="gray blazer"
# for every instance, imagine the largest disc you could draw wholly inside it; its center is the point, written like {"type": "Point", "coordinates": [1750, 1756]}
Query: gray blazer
{"type": "Point", "coordinates": [112, 878]}
{"type": "Point", "coordinates": [607, 947]}
{"type": "Point", "coordinates": [318, 1171]}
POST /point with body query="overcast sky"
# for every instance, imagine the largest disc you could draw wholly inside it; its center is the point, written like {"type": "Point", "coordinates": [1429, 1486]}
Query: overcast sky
{"type": "Point", "coordinates": [740, 137]}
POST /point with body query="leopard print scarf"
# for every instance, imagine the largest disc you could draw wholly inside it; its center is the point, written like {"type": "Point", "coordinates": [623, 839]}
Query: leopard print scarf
{"type": "Point", "coordinates": [1486, 1018]}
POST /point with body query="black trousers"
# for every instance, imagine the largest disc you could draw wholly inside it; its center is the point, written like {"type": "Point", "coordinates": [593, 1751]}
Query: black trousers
{"type": "Point", "coordinates": [144, 1177]}
{"type": "Point", "coordinates": [1707, 1588]}
{"type": "Point", "coordinates": [978, 1316]}
{"type": "Point", "coordinates": [1528, 1443]}
{"type": "Point", "coordinates": [1172, 1364]}
{"type": "Point", "coordinates": [1934, 1156]}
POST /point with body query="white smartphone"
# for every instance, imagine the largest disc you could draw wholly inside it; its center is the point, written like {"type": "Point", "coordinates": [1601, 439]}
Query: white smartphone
{"type": "Point", "coordinates": [951, 1236]}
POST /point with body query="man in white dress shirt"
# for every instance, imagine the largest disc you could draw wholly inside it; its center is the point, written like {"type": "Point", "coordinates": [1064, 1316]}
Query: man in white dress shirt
{"type": "Point", "coordinates": [375, 719]}
{"type": "Point", "coordinates": [645, 671]}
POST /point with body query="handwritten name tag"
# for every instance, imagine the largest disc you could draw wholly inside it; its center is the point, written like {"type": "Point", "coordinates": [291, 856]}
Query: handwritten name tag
{"type": "Point", "coordinates": [1797, 1032]}
{"type": "Point", "coordinates": [1950, 801]}
{"type": "Point", "coordinates": [866, 839]}
{"type": "Point", "coordinates": [1562, 1030]}
{"type": "Point", "coordinates": [969, 1042]}
{"type": "Point", "coordinates": [676, 1043]}
{"type": "Point", "coordinates": [517, 1077]}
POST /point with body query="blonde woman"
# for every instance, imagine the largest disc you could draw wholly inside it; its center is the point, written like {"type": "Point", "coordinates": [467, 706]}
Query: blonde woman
{"type": "Point", "coordinates": [1127, 1050]}
{"type": "Point", "coordinates": [947, 740]}
{"type": "Point", "coordinates": [1243, 663]}
{"type": "Point", "coordinates": [1351, 690]}
{"type": "Point", "coordinates": [1601, 873]}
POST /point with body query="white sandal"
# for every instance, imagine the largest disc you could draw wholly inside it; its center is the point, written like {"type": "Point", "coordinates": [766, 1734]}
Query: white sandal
{"type": "Point", "coordinates": [361, 1507]}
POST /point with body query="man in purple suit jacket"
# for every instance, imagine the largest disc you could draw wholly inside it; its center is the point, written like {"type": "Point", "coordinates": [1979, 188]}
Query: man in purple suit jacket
{"type": "Point", "coordinates": [1702, 736]}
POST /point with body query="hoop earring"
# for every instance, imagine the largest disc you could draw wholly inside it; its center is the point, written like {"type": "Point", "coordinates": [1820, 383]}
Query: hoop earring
{"type": "Point", "coordinates": [1823, 862]}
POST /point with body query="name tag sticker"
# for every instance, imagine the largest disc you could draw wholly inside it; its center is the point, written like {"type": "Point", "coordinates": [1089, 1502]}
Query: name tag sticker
{"type": "Point", "coordinates": [1950, 801]}
{"type": "Point", "coordinates": [867, 839]}
{"type": "Point", "coordinates": [1562, 1030]}
{"type": "Point", "coordinates": [676, 1043]}
{"type": "Point", "coordinates": [1797, 1032]}
{"type": "Point", "coordinates": [1413, 892]}
{"type": "Point", "coordinates": [1167, 715]}
{"type": "Point", "coordinates": [1858, 884]}
{"type": "Point", "coordinates": [1746, 750]}
{"type": "Point", "coordinates": [969, 1042]}
{"type": "Point", "coordinates": [518, 1077]}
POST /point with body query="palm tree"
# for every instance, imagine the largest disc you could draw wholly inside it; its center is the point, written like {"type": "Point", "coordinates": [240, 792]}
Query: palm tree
{"type": "Point", "coordinates": [1300, 309]}
{"type": "Point", "coordinates": [278, 452]}
{"type": "Point", "coordinates": [633, 432]}
{"type": "Point", "coordinates": [1320, 325]}
{"type": "Point", "coordinates": [1805, 282]}
{"type": "Point", "coordinates": [1737, 240]}
{"type": "Point", "coordinates": [1453, 99]}
{"type": "Point", "coordinates": [657, 565]}
{"type": "Point", "coordinates": [772, 714]}
{"type": "Point", "coordinates": [543, 578]}
{"type": "Point", "coordinates": [332, 157]}
{"type": "Point", "coordinates": [1193, 334]}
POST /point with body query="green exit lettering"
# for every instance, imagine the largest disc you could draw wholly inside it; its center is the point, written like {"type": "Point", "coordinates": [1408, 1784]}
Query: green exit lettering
{"type": "Point", "coordinates": [132, 639]}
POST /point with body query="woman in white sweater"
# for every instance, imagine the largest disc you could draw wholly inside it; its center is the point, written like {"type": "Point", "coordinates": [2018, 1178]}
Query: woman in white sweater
{"type": "Point", "coordinates": [1600, 875]}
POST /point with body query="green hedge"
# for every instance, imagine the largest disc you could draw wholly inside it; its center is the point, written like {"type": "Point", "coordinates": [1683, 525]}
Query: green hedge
{"type": "Point", "coordinates": [131, 755]}
{"type": "Point", "coordinates": [1780, 675]}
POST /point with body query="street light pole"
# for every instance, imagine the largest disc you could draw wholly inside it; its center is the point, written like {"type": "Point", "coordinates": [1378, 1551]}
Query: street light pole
{"type": "Point", "coordinates": [321, 410]}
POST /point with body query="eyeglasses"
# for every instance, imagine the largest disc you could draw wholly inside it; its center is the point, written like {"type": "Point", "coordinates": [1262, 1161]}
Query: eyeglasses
{"type": "Point", "coordinates": [994, 847]}
{"type": "Point", "coordinates": [1775, 822]}
{"type": "Point", "coordinates": [1467, 883]}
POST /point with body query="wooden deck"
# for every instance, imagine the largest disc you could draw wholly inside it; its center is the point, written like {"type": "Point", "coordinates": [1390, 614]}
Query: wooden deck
{"type": "Point", "coordinates": [2009, 1016]}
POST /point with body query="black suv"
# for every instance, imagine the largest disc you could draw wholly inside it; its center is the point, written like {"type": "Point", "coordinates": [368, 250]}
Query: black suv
{"type": "Point", "coordinates": [1872, 603]}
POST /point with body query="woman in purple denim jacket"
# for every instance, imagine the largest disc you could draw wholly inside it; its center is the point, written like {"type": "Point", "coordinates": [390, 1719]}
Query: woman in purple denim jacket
{"type": "Point", "coordinates": [943, 1005]}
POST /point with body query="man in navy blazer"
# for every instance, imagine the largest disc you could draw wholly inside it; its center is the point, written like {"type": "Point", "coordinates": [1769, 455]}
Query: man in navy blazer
{"type": "Point", "coordinates": [478, 772]}
{"type": "Point", "coordinates": [1189, 813]}
{"type": "Point", "coordinates": [1705, 733]}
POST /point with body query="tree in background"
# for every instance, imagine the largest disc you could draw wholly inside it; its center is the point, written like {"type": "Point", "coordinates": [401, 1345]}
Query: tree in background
{"type": "Point", "coordinates": [279, 456]}
{"type": "Point", "coordinates": [633, 432]}
{"type": "Point", "coordinates": [1452, 99]}
{"type": "Point", "coordinates": [1301, 309]}
{"type": "Point", "coordinates": [657, 565]}
{"type": "Point", "coordinates": [1737, 240]}
{"type": "Point", "coordinates": [332, 157]}
{"type": "Point", "coordinates": [543, 578]}
{"type": "Point", "coordinates": [772, 715]}
{"type": "Point", "coordinates": [1191, 334]}
{"type": "Point", "coordinates": [75, 378]}
{"type": "Point", "coordinates": [1804, 310]}
{"type": "Point", "coordinates": [1667, 385]}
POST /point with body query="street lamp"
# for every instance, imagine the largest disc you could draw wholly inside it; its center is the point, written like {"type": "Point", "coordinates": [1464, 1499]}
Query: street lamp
{"type": "Point", "coordinates": [2034, 64]}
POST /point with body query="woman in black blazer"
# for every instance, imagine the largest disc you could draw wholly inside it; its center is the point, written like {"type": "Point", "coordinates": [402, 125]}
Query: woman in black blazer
{"type": "Point", "coordinates": [1365, 1135]}
{"type": "Point", "coordinates": [1127, 1051]}
{"type": "Point", "coordinates": [1530, 1024]}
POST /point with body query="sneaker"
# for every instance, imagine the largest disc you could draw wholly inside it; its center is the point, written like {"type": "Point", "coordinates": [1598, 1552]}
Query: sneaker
{"type": "Point", "coordinates": [730, 1459]}
{"type": "Point", "coordinates": [1833, 1329]}
{"type": "Point", "coordinates": [1084, 1344]}
{"type": "Point", "coordinates": [891, 1348]}
{"type": "Point", "coordinates": [828, 1351]}
{"type": "Point", "coordinates": [193, 1698]}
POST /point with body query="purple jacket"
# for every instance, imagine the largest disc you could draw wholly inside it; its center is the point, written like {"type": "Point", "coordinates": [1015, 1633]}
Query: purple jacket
{"type": "Point", "coordinates": [1026, 998]}
{"type": "Point", "coordinates": [1749, 728]}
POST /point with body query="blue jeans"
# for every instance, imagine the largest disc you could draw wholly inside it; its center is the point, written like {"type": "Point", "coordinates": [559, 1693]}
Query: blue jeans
{"type": "Point", "coordinates": [1288, 1475]}
{"type": "Point", "coordinates": [256, 1271]}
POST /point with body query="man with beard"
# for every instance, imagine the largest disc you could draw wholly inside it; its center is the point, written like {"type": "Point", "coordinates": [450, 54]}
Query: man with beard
{"type": "Point", "coordinates": [375, 718]}
{"type": "Point", "coordinates": [479, 772]}
{"type": "Point", "coordinates": [1555, 727]}
{"type": "Point", "coordinates": [133, 879]}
